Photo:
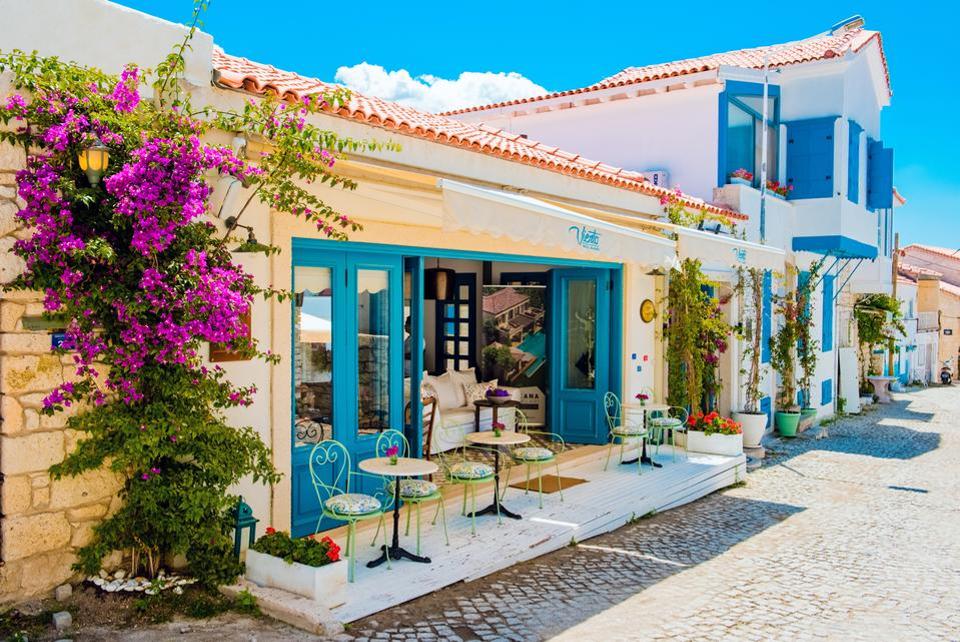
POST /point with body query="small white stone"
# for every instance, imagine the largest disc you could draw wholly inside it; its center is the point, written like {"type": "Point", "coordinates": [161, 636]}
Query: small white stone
{"type": "Point", "coordinates": [103, 573]}
{"type": "Point", "coordinates": [62, 620]}
{"type": "Point", "coordinates": [119, 575]}
{"type": "Point", "coordinates": [177, 590]}
{"type": "Point", "coordinates": [63, 592]}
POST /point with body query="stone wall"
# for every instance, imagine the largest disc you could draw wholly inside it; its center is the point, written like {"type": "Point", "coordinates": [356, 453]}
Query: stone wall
{"type": "Point", "coordinates": [42, 521]}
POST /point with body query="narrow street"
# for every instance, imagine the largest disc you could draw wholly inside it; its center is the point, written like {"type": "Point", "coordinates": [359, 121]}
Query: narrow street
{"type": "Point", "coordinates": [853, 536]}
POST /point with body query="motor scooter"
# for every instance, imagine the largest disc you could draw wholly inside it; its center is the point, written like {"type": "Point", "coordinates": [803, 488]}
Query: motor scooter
{"type": "Point", "coordinates": [946, 373]}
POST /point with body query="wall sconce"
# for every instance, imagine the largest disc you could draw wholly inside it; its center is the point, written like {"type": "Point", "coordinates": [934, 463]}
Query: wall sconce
{"type": "Point", "coordinates": [438, 283]}
{"type": "Point", "coordinates": [251, 244]}
{"type": "Point", "coordinates": [93, 161]}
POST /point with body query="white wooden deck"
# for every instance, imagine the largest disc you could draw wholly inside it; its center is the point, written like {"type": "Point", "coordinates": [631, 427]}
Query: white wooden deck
{"type": "Point", "coordinates": [607, 501]}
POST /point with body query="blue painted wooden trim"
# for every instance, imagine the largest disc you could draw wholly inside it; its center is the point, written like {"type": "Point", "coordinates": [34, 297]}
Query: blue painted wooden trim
{"type": "Point", "coordinates": [415, 435]}
{"type": "Point", "coordinates": [853, 162]}
{"type": "Point", "coordinates": [826, 340]}
{"type": "Point", "coordinates": [723, 113]}
{"type": "Point", "coordinates": [766, 317]}
{"type": "Point", "coordinates": [540, 278]}
{"type": "Point", "coordinates": [745, 88]}
{"type": "Point", "coordinates": [810, 157]}
{"type": "Point", "coordinates": [826, 392]}
{"type": "Point", "coordinates": [834, 245]}
{"type": "Point", "coordinates": [616, 332]}
{"type": "Point", "coordinates": [766, 407]}
{"type": "Point", "coordinates": [302, 246]}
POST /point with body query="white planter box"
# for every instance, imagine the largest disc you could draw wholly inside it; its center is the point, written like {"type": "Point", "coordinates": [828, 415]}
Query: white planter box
{"type": "Point", "coordinates": [715, 444]}
{"type": "Point", "coordinates": [324, 584]}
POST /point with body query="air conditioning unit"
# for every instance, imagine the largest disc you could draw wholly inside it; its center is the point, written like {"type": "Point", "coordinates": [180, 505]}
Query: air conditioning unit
{"type": "Point", "coordinates": [659, 177]}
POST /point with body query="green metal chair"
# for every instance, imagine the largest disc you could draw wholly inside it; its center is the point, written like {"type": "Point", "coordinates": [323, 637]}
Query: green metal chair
{"type": "Point", "coordinates": [662, 422]}
{"type": "Point", "coordinates": [622, 430]}
{"type": "Point", "coordinates": [336, 500]}
{"type": "Point", "coordinates": [412, 491]}
{"type": "Point", "coordinates": [458, 468]}
{"type": "Point", "coordinates": [538, 456]}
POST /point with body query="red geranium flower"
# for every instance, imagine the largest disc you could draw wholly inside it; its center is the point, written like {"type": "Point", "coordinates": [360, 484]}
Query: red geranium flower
{"type": "Point", "coordinates": [271, 530]}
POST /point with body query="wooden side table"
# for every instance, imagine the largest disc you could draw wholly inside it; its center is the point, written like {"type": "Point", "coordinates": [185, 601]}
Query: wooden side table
{"type": "Point", "coordinates": [484, 403]}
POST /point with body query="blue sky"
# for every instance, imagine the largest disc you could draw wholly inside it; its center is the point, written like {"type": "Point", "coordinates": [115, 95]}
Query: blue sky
{"type": "Point", "coordinates": [560, 47]}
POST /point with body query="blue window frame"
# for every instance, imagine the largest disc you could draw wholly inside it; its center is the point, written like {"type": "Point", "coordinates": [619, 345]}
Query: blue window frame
{"type": "Point", "coordinates": [741, 130]}
{"type": "Point", "coordinates": [810, 157]}
{"type": "Point", "coordinates": [827, 339]}
{"type": "Point", "coordinates": [853, 163]}
{"type": "Point", "coordinates": [826, 392]}
{"type": "Point", "coordinates": [879, 176]}
{"type": "Point", "coordinates": [766, 317]}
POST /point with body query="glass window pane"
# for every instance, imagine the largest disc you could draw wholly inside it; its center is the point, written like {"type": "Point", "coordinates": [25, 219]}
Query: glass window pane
{"type": "Point", "coordinates": [450, 347]}
{"type": "Point", "coordinates": [464, 292]}
{"type": "Point", "coordinates": [373, 350]}
{"type": "Point", "coordinates": [581, 315]}
{"type": "Point", "coordinates": [449, 310]}
{"type": "Point", "coordinates": [464, 311]}
{"type": "Point", "coordinates": [450, 364]}
{"type": "Point", "coordinates": [739, 140]}
{"type": "Point", "coordinates": [313, 355]}
{"type": "Point", "coordinates": [464, 329]}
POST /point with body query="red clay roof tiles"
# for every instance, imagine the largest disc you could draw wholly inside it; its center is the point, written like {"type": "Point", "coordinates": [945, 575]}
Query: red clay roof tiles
{"type": "Point", "coordinates": [239, 73]}
{"type": "Point", "coordinates": [816, 48]}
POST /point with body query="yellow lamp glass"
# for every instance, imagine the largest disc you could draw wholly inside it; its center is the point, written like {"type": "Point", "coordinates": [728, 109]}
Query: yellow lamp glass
{"type": "Point", "coordinates": [94, 161]}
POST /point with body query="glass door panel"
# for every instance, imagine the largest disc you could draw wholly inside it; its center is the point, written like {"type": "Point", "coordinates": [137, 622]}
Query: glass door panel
{"type": "Point", "coordinates": [581, 313]}
{"type": "Point", "coordinates": [313, 355]}
{"type": "Point", "coordinates": [373, 351]}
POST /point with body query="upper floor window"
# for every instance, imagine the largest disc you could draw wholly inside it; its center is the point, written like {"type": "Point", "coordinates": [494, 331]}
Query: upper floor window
{"type": "Point", "coordinates": [743, 104]}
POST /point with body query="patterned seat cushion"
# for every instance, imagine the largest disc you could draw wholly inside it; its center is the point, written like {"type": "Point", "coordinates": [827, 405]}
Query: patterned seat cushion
{"type": "Point", "coordinates": [665, 422]}
{"type": "Point", "coordinates": [471, 470]}
{"type": "Point", "coordinates": [533, 453]}
{"type": "Point", "coordinates": [352, 504]}
{"type": "Point", "coordinates": [628, 431]}
{"type": "Point", "coordinates": [414, 488]}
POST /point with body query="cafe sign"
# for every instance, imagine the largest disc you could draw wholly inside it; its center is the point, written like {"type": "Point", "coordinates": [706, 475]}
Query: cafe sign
{"type": "Point", "coordinates": [587, 238]}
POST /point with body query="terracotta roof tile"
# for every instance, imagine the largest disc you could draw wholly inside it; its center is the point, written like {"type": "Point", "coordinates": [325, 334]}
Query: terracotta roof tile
{"type": "Point", "coordinates": [239, 73]}
{"type": "Point", "coordinates": [947, 253]}
{"type": "Point", "coordinates": [912, 269]}
{"type": "Point", "coordinates": [816, 48]}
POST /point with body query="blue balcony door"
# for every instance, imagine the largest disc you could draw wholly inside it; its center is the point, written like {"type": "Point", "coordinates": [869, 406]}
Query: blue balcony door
{"type": "Point", "coordinates": [347, 363]}
{"type": "Point", "coordinates": [580, 337]}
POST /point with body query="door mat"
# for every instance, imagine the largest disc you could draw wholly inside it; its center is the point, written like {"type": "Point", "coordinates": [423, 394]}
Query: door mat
{"type": "Point", "coordinates": [551, 483]}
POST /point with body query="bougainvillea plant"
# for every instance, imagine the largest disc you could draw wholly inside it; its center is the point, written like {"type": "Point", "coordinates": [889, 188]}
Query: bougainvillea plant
{"type": "Point", "coordinates": [696, 337]}
{"type": "Point", "coordinates": [140, 273]}
{"type": "Point", "coordinates": [749, 332]}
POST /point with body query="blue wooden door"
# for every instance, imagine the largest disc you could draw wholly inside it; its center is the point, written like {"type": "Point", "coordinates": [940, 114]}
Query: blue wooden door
{"type": "Point", "coordinates": [347, 363]}
{"type": "Point", "coordinates": [580, 334]}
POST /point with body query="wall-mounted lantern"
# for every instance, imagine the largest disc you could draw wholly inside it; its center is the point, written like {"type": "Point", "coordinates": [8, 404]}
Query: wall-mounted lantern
{"type": "Point", "coordinates": [94, 160]}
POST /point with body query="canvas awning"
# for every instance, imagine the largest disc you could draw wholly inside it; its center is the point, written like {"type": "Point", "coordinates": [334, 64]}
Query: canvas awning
{"type": "Point", "coordinates": [719, 251]}
{"type": "Point", "coordinates": [314, 329]}
{"type": "Point", "coordinates": [522, 218]}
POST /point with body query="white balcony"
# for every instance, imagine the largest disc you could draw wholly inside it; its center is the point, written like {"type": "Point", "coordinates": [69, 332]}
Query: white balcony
{"type": "Point", "coordinates": [928, 321]}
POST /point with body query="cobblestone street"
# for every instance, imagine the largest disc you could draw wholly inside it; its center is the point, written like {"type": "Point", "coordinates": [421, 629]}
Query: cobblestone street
{"type": "Point", "coordinates": [853, 536]}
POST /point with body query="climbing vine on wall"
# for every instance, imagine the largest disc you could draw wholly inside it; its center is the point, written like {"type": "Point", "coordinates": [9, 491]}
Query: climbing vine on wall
{"type": "Point", "coordinates": [696, 336]}
{"type": "Point", "coordinates": [808, 348]}
{"type": "Point", "coordinates": [143, 279]}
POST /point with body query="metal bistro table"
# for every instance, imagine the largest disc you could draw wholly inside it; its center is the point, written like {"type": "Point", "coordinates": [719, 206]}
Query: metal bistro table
{"type": "Point", "coordinates": [405, 467]}
{"type": "Point", "coordinates": [881, 386]}
{"type": "Point", "coordinates": [643, 410]}
{"type": "Point", "coordinates": [506, 438]}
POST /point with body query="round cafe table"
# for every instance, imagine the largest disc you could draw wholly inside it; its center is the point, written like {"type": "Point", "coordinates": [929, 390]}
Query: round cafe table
{"type": "Point", "coordinates": [490, 440]}
{"type": "Point", "coordinates": [881, 386]}
{"type": "Point", "coordinates": [405, 467]}
{"type": "Point", "coordinates": [633, 408]}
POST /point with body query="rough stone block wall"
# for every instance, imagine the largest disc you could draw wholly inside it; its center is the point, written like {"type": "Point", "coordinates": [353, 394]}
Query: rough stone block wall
{"type": "Point", "coordinates": [42, 521]}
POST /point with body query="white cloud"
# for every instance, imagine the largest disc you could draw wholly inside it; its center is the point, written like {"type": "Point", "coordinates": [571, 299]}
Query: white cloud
{"type": "Point", "coordinates": [434, 94]}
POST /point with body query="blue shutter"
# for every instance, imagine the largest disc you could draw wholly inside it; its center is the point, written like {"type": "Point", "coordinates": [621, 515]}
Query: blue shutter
{"type": "Point", "coordinates": [853, 163]}
{"type": "Point", "coordinates": [879, 176]}
{"type": "Point", "coordinates": [810, 158]}
{"type": "Point", "coordinates": [802, 279]}
{"type": "Point", "coordinates": [766, 407]}
{"type": "Point", "coordinates": [766, 317]}
{"type": "Point", "coordinates": [827, 339]}
{"type": "Point", "coordinates": [826, 392]}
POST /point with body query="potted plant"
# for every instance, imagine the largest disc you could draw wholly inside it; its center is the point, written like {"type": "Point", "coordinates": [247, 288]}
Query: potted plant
{"type": "Point", "coordinates": [752, 420]}
{"type": "Point", "coordinates": [807, 347]}
{"type": "Point", "coordinates": [783, 360]}
{"type": "Point", "coordinates": [308, 567]}
{"type": "Point", "coordinates": [497, 428]}
{"type": "Point", "coordinates": [778, 189]}
{"type": "Point", "coordinates": [713, 434]}
{"type": "Point", "coordinates": [741, 177]}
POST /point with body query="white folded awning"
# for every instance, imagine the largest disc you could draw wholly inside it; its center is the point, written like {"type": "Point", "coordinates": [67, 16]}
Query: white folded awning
{"type": "Point", "coordinates": [522, 218]}
{"type": "Point", "coordinates": [718, 251]}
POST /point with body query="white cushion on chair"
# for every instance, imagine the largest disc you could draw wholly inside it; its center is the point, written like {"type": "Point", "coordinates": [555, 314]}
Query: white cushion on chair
{"type": "Point", "coordinates": [352, 504]}
{"type": "Point", "coordinates": [665, 422]}
{"type": "Point", "coordinates": [414, 488]}
{"type": "Point", "coordinates": [628, 431]}
{"type": "Point", "coordinates": [471, 470]}
{"type": "Point", "coordinates": [532, 453]}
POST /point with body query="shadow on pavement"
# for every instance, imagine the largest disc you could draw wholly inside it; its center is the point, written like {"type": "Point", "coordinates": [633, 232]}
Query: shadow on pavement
{"type": "Point", "coordinates": [540, 598]}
